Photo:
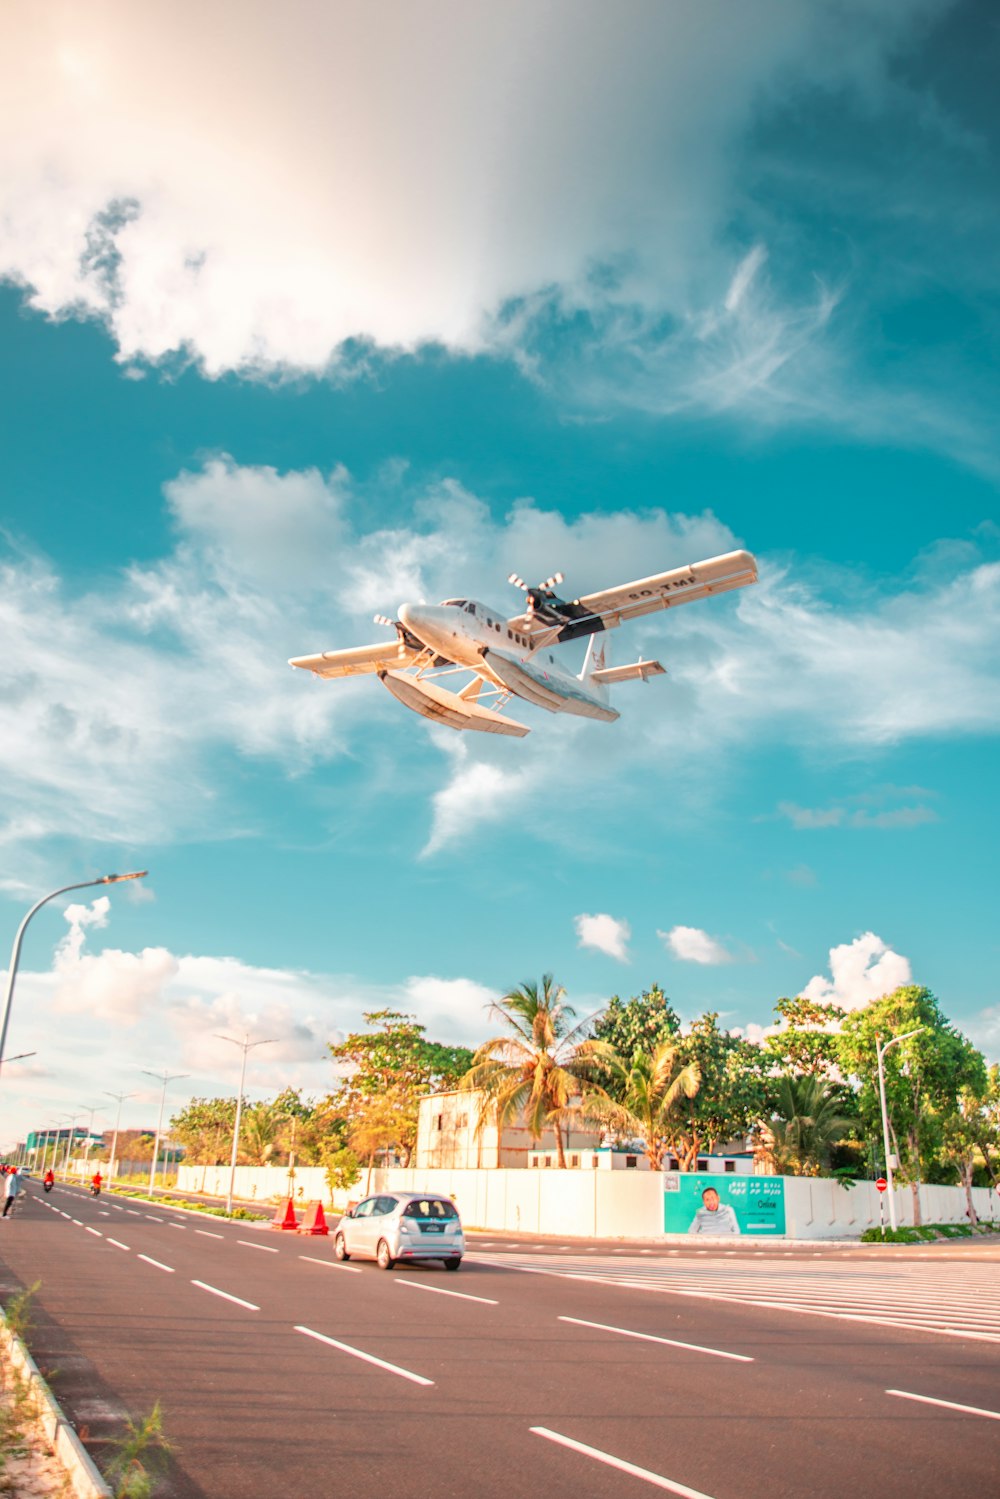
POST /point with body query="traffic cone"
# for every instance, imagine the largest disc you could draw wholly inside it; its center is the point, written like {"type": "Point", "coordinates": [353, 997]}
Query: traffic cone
{"type": "Point", "coordinates": [285, 1217]}
{"type": "Point", "coordinates": [314, 1221]}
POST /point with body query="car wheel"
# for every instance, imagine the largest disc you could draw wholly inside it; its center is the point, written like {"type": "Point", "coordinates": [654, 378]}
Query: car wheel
{"type": "Point", "coordinates": [453, 1264]}
{"type": "Point", "coordinates": [340, 1248]}
{"type": "Point", "coordinates": [385, 1259]}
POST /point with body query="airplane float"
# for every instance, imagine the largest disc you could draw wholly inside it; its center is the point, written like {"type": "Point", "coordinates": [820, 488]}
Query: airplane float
{"type": "Point", "coordinates": [505, 658]}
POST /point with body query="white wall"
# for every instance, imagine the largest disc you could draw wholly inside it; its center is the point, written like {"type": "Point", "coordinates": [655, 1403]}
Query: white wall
{"type": "Point", "coordinates": [589, 1204]}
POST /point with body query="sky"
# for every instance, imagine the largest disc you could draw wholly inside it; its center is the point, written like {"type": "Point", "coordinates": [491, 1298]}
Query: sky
{"type": "Point", "coordinates": [323, 309]}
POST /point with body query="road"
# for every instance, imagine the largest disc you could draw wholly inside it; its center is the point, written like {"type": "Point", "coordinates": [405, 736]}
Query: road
{"type": "Point", "coordinates": [535, 1370]}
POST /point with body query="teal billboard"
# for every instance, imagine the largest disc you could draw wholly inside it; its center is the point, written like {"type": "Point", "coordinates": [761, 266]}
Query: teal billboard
{"type": "Point", "coordinates": [718, 1206]}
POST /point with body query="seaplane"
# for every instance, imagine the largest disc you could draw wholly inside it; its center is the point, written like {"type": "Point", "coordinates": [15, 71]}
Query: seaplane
{"type": "Point", "coordinates": [503, 658]}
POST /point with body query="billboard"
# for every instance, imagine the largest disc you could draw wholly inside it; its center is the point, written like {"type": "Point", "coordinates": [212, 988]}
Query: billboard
{"type": "Point", "coordinates": [719, 1206]}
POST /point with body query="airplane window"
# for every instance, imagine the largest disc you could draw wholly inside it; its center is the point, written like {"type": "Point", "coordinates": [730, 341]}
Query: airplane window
{"type": "Point", "coordinates": [455, 604]}
{"type": "Point", "coordinates": [470, 608]}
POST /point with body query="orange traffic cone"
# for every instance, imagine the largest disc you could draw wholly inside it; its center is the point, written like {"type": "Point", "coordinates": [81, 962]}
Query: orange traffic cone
{"type": "Point", "coordinates": [285, 1217]}
{"type": "Point", "coordinates": [314, 1222]}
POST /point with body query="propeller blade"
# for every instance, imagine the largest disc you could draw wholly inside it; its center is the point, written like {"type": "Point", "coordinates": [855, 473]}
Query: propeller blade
{"type": "Point", "coordinates": [555, 579]}
{"type": "Point", "coordinates": [383, 619]}
{"type": "Point", "coordinates": [517, 582]}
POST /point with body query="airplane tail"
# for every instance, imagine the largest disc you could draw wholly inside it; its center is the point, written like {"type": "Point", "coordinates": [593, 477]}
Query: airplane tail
{"type": "Point", "coordinates": [596, 661]}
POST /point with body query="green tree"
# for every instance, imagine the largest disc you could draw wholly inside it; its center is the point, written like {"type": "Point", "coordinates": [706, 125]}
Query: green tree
{"type": "Point", "coordinates": [637, 1024]}
{"type": "Point", "coordinates": [924, 1076]}
{"type": "Point", "coordinates": [387, 1071]}
{"type": "Point", "coordinates": [540, 1067]}
{"type": "Point", "coordinates": [734, 1092]}
{"type": "Point", "coordinates": [806, 1041]}
{"type": "Point", "coordinates": [644, 1092]}
{"type": "Point", "coordinates": [205, 1129]}
{"type": "Point", "coordinates": [809, 1122]}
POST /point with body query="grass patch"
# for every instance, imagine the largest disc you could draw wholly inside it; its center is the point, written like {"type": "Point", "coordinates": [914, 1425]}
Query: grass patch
{"type": "Point", "coordinates": [140, 1457]}
{"type": "Point", "coordinates": [194, 1207]}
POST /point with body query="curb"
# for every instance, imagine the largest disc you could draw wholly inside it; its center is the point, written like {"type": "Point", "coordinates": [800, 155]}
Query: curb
{"type": "Point", "coordinates": [79, 1465]}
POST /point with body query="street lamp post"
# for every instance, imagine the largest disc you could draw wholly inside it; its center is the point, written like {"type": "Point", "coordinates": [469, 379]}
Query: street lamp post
{"type": "Point", "coordinates": [69, 1143]}
{"type": "Point", "coordinates": [15, 957]}
{"type": "Point", "coordinates": [120, 1097]}
{"type": "Point", "coordinates": [880, 1052]}
{"type": "Point", "coordinates": [90, 1128]}
{"type": "Point", "coordinates": [165, 1078]}
{"type": "Point", "coordinates": [245, 1045]}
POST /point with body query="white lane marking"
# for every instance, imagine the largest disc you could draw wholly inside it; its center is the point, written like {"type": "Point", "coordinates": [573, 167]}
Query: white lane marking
{"type": "Point", "coordinates": [418, 1285]}
{"type": "Point", "coordinates": [181, 1226]}
{"type": "Point", "coordinates": [648, 1337]}
{"type": "Point", "coordinates": [616, 1462]}
{"type": "Point", "coordinates": [968, 1410]}
{"type": "Point", "coordinates": [207, 1233]}
{"type": "Point", "coordinates": [153, 1218]}
{"type": "Point", "coordinates": [101, 1213]}
{"type": "Point", "coordinates": [134, 1211]}
{"type": "Point", "coordinates": [267, 1248]}
{"type": "Point", "coordinates": [369, 1358]}
{"type": "Point", "coordinates": [331, 1264]}
{"type": "Point", "coordinates": [96, 1231]}
{"type": "Point", "coordinates": [159, 1265]}
{"type": "Point", "coordinates": [118, 1244]}
{"type": "Point", "coordinates": [250, 1306]}
{"type": "Point", "coordinates": [77, 1222]}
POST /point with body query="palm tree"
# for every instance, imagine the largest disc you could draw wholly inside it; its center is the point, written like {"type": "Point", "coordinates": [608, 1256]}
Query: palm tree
{"type": "Point", "coordinates": [539, 1067]}
{"type": "Point", "coordinates": [809, 1123]}
{"type": "Point", "coordinates": [647, 1090]}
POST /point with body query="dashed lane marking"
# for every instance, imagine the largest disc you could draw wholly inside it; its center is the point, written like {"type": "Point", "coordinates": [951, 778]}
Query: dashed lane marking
{"type": "Point", "coordinates": [368, 1358]}
{"type": "Point", "coordinates": [648, 1337]}
{"type": "Point", "coordinates": [267, 1248]}
{"type": "Point", "coordinates": [119, 1245]}
{"type": "Point", "coordinates": [966, 1410]}
{"type": "Point", "coordinates": [214, 1291]}
{"type": "Point", "coordinates": [153, 1218]}
{"type": "Point", "coordinates": [331, 1264]}
{"type": "Point", "coordinates": [206, 1233]}
{"type": "Point", "coordinates": [96, 1231]}
{"type": "Point", "coordinates": [656, 1479]}
{"type": "Point", "coordinates": [158, 1263]}
{"type": "Point", "coordinates": [418, 1285]}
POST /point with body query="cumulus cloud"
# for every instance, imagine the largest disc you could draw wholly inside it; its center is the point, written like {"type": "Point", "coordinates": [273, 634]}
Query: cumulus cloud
{"type": "Point", "coordinates": [464, 176]}
{"type": "Point", "coordinates": [860, 972]}
{"type": "Point", "coordinates": [691, 945]}
{"type": "Point", "coordinates": [114, 1013]}
{"type": "Point", "coordinates": [605, 933]}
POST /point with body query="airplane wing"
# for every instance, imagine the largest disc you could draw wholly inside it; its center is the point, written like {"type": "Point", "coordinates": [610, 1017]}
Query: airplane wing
{"type": "Point", "coordinates": [552, 619]}
{"type": "Point", "coordinates": [388, 655]}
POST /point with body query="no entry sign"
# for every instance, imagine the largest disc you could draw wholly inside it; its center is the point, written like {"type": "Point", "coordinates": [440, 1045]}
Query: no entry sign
{"type": "Point", "coordinates": [881, 1185]}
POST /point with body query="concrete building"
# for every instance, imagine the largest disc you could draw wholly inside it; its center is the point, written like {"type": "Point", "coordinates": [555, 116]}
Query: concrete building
{"type": "Point", "coordinates": [451, 1133]}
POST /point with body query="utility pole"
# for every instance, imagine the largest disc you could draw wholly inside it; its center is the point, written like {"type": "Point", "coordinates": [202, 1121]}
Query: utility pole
{"type": "Point", "coordinates": [890, 1159]}
{"type": "Point", "coordinates": [165, 1078]}
{"type": "Point", "coordinates": [120, 1098]}
{"type": "Point", "coordinates": [245, 1045]}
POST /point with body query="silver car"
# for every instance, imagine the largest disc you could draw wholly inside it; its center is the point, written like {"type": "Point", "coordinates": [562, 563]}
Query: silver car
{"type": "Point", "coordinates": [402, 1226]}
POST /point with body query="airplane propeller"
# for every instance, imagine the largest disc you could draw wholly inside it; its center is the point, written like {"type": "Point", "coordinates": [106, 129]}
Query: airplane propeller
{"type": "Point", "coordinates": [383, 619]}
{"type": "Point", "coordinates": [519, 582]}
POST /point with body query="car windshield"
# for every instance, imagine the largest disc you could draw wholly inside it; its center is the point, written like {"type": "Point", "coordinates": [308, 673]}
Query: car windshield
{"type": "Point", "coordinates": [430, 1207]}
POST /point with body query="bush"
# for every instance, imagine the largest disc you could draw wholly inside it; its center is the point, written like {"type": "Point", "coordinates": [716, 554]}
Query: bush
{"type": "Point", "coordinates": [890, 1236]}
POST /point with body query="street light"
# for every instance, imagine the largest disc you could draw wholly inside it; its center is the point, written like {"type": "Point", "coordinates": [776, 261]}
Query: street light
{"type": "Point", "coordinates": [120, 1097]}
{"type": "Point", "coordinates": [245, 1045]}
{"type": "Point", "coordinates": [165, 1078]}
{"type": "Point", "coordinates": [90, 1128]}
{"type": "Point", "coordinates": [880, 1052]}
{"type": "Point", "coordinates": [15, 957]}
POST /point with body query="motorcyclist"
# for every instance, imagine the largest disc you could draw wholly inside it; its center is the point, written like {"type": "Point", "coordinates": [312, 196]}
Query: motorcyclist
{"type": "Point", "coordinates": [48, 1180]}
{"type": "Point", "coordinates": [95, 1183]}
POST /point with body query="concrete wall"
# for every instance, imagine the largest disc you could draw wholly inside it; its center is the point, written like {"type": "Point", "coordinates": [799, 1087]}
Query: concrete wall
{"type": "Point", "coordinates": [586, 1204]}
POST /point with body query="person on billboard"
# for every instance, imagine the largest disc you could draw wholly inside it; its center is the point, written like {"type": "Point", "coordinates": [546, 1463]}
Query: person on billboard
{"type": "Point", "coordinates": [713, 1217]}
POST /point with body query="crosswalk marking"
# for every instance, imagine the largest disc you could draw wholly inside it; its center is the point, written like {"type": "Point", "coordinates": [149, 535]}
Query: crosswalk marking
{"type": "Point", "coordinates": [955, 1301]}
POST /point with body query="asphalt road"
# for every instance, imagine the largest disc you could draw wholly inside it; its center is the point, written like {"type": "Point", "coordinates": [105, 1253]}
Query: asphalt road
{"type": "Point", "coordinates": [280, 1371]}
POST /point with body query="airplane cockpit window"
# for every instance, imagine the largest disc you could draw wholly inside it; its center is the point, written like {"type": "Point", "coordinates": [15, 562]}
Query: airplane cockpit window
{"type": "Point", "coordinates": [454, 603]}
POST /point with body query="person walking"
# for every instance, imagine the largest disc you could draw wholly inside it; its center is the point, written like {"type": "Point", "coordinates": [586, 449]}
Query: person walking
{"type": "Point", "coordinates": [12, 1185]}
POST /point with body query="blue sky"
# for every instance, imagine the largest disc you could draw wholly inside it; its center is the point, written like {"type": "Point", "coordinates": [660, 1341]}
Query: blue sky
{"type": "Point", "coordinates": [389, 311]}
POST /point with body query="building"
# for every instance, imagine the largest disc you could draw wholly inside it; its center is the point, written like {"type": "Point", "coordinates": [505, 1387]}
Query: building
{"type": "Point", "coordinates": [451, 1132]}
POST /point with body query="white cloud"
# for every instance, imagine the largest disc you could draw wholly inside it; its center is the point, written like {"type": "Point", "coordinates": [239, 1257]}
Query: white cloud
{"type": "Point", "coordinates": [605, 933]}
{"type": "Point", "coordinates": [860, 972]}
{"type": "Point", "coordinates": [433, 177]}
{"type": "Point", "coordinates": [111, 1014]}
{"type": "Point", "coordinates": [113, 727]}
{"type": "Point", "coordinates": [691, 945]}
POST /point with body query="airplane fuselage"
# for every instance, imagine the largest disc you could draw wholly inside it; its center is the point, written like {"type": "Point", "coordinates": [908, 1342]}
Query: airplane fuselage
{"type": "Point", "coordinates": [474, 635]}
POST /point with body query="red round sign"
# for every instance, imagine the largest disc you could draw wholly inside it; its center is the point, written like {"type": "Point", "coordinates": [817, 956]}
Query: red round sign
{"type": "Point", "coordinates": [881, 1184]}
